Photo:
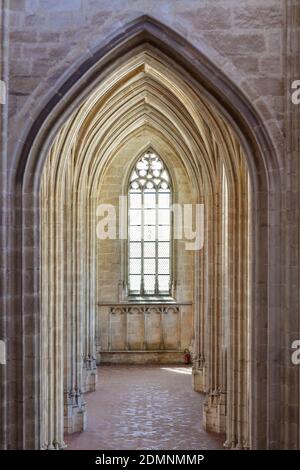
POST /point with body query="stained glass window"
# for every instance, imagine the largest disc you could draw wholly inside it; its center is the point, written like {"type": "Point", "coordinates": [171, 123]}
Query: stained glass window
{"type": "Point", "coordinates": [149, 227]}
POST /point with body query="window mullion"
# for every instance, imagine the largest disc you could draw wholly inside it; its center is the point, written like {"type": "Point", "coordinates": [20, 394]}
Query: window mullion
{"type": "Point", "coordinates": [171, 246]}
{"type": "Point", "coordinates": [142, 288]}
{"type": "Point", "coordinates": [156, 288]}
{"type": "Point", "coordinates": [129, 278]}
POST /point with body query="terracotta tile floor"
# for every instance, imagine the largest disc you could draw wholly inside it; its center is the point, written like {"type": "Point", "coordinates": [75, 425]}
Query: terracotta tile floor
{"type": "Point", "coordinates": [144, 407]}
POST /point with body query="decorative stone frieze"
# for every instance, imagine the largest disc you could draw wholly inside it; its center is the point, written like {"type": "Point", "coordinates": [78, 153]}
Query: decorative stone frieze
{"type": "Point", "coordinates": [148, 330]}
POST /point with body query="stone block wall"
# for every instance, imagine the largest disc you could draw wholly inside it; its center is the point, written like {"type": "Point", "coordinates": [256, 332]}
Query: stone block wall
{"type": "Point", "coordinates": [143, 333]}
{"type": "Point", "coordinates": [257, 48]}
{"type": "Point", "coordinates": [112, 258]}
{"type": "Point", "coordinates": [112, 263]}
{"type": "Point", "coordinates": [245, 41]}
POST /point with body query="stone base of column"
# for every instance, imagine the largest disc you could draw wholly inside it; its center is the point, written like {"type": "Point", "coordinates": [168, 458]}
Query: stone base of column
{"type": "Point", "coordinates": [55, 445]}
{"type": "Point", "coordinates": [198, 379]}
{"type": "Point", "coordinates": [89, 375]}
{"type": "Point", "coordinates": [75, 418]}
{"type": "Point", "coordinates": [214, 413]}
{"type": "Point", "coordinates": [231, 444]}
{"type": "Point", "coordinates": [89, 380]}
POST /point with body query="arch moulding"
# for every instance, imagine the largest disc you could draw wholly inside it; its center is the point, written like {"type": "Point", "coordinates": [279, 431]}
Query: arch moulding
{"type": "Point", "coordinates": [28, 162]}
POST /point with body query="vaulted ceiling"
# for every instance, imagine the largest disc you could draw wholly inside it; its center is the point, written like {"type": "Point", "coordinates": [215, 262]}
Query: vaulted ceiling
{"type": "Point", "coordinates": [148, 95]}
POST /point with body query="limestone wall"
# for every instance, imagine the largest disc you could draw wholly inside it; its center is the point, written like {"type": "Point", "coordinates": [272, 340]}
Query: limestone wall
{"type": "Point", "coordinates": [148, 333]}
{"type": "Point", "coordinates": [245, 40]}
{"type": "Point", "coordinates": [256, 46]}
{"type": "Point", "coordinates": [112, 264]}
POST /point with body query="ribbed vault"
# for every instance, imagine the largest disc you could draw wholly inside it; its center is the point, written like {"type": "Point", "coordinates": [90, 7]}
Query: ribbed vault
{"type": "Point", "coordinates": [145, 94]}
{"type": "Point", "coordinates": [146, 98]}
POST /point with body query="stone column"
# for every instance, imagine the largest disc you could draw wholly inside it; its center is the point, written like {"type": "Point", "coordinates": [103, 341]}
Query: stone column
{"type": "Point", "coordinates": [214, 408]}
{"type": "Point", "coordinates": [237, 425]}
{"type": "Point", "coordinates": [289, 429]}
{"type": "Point", "coordinates": [52, 321]}
{"type": "Point", "coordinates": [89, 381]}
{"type": "Point", "coordinates": [5, 215]}
{"type": "Point", "coordinates": [74, 404]}
{"type": "Point", "coordinates": [199, 371]}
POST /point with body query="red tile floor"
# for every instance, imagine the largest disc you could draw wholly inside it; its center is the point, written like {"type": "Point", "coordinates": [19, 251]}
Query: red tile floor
{"type": "Point", "coordinates": [144, 407]}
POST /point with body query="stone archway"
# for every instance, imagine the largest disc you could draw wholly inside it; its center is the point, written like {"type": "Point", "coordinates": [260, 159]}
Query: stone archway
{"type": "Point", "coordinates": [24, 184]}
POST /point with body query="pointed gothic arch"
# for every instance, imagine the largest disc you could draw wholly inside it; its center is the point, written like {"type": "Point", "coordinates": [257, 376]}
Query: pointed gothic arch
{"type": "Point", "coordinates": [264, 169]}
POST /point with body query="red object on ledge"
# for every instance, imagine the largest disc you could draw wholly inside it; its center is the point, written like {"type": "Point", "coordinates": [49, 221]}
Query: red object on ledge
{"type": "Point", "coordinates": [187, 357]}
